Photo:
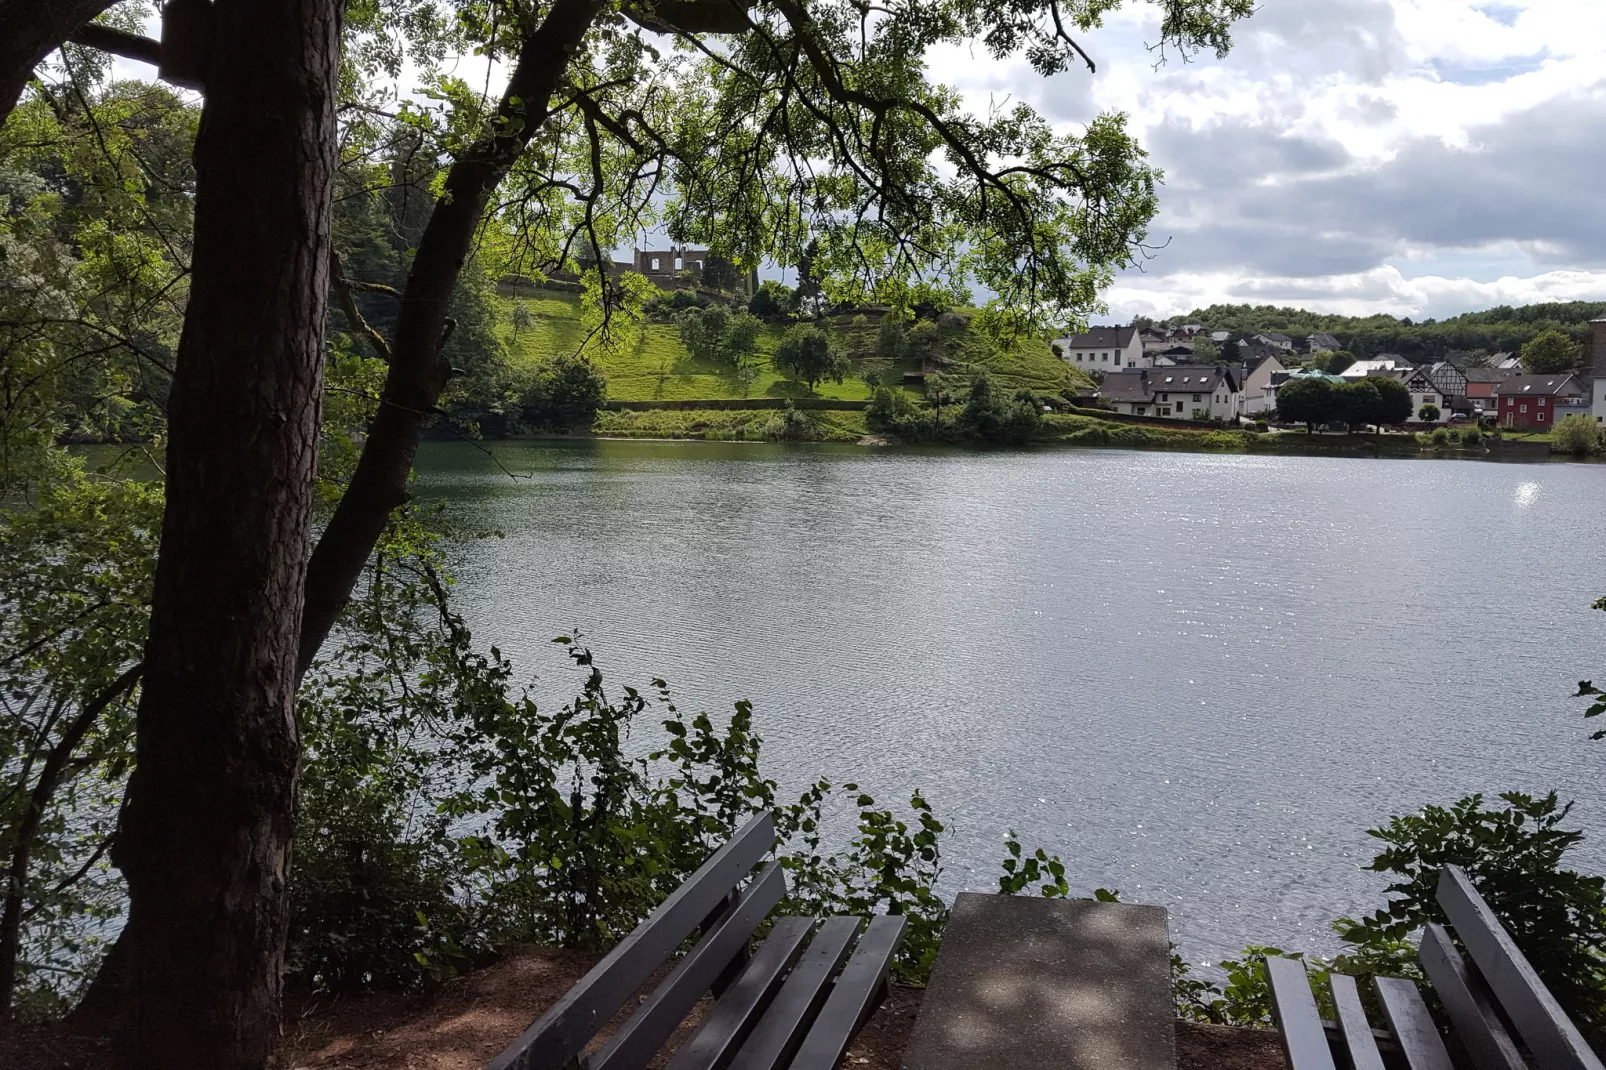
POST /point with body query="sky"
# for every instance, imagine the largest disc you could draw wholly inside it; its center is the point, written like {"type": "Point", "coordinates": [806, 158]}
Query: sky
{"type": "Point", "coordinates": [1420, 158]}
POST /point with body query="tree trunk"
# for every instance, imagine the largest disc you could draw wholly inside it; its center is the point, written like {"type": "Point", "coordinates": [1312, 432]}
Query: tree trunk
{"type": "Point", "coordinates": [418, 372]}
{"type": "Point", "coordinates": [29, 31]}
{"type": "Point", "coordinates": [205, 842]}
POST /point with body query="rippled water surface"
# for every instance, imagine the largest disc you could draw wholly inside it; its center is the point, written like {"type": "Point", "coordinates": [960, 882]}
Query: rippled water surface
{"type": "Point", "coordinates": [1197, 678]}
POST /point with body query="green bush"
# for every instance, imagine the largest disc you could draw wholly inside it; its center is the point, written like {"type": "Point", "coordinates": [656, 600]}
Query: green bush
{"type": "Point", "coordinates": [1471, 436]}
{"type": "Point", "coordinates": [1577, 434]}
{"type": "Point", "coordinates": [1513, 855]}
{"type": "Point", "coordinates": [773, 301]}
{"type": "Point", "coordinates": [562, 394]}
{"type": "Point", "coordinates": [665, 306]}
{"type": "Point", "coordinates": [1440, 438]}
{"type": "Point", "coordinates": [991, 417]}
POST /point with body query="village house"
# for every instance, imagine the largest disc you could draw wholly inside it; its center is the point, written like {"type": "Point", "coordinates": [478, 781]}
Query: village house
{"type": "Point", "coordinates": [1322, 343]}
{"type": "Point", "coordinates": [1104, 348]}
{"type": "Point", "coordinates": [1178, 393]}
{"type": "Point", "coordinates": [1274, 340]}
{"type": "Point", "coordinates": [1259, 396]}
{"type": "Point", "coordinates": [1423, 390]}
{"type": "Point", "coordinates": [1383, 362]}
{"type": "Point", "coordinates": [1451, 381]}
{"type": "Point", "coordinates": [1597, 365]}
{"type": "Point", "coordinates": [1532, 401]}
{"type": "Point", "coordinates": [1481, 383]}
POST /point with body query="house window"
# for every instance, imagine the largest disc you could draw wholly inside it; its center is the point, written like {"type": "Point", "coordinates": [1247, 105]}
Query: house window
{"type": "Point", "coordinates": [1523, 407]}
{"type": "Point", "coordinates": [655, 263]}
{"type": "Point", "coordinates": [1177, 408]}
{"type": "Point", "coordinates": [1078, 358]}
{"type": "Point", "coordinates": [1105, 357]}
{"type": "Point", "coordinates": [1165, 397]}
{"type": "Point", "coordinates": [1542, 402]}
{"type": "Point", "coordinates": [1196, 397]}
{"type": "Point", "coordinates": [1540, 417]}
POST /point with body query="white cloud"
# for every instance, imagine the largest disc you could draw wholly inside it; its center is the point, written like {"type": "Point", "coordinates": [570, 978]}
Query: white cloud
{"type": "Point", "coordinates": [1344, 146]}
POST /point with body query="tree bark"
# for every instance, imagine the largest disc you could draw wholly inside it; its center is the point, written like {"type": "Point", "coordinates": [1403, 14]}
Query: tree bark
{"type": "Point", "coordinates": [205, 841]}
{"type": "Point", "coordinates": [29, 31]}
{"type": "Point", "coordinates": [418, 372]}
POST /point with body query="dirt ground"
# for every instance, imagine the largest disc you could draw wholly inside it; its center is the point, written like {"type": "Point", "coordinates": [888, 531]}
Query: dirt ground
{"type": "Point", "coordinates": [468, 1020]}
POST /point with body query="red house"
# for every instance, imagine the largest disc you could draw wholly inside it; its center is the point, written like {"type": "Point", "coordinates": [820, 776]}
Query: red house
{"type": "Point", "coordinates": [1531, 401]}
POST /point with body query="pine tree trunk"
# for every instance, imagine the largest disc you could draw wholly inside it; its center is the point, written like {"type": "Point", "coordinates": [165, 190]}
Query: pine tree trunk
{"type": "Point", "coordinates": [205, 843]}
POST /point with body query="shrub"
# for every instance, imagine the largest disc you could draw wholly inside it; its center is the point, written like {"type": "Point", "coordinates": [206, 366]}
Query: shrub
{"type": "Point", "coordinates": [563, 394]}
{"type": "Point", "coordinates": [1440, 438]}
{"type": "Point", "coordinates": [1471, 436]}
{"type": "Point", "coordinates": [665, 306]}
{"type": "Point", "coordinates": [1514, 855]}
{"type": "Point", "coordinates": [1429, 413]}
{"type": "Point", "coordinates": [773, 301]}
{"type": "Point", "coordinates": [991, 417]}
{"type": "Point", "coordinates": [1261, 426]}
{"type": "Point", "coordinates": [1576, 434]}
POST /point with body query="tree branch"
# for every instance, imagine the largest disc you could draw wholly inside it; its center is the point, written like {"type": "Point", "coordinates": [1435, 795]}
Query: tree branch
{"type": "Point", "coordinates": [418, 371]}
{"type": "Point", "coordinates": [118, 43]}
{"type": "Point", "coordinates": [354, 316]}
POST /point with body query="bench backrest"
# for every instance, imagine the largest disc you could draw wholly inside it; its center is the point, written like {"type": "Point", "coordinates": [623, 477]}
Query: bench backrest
{"type": "Point", "coordinates": [563, 1032]}
{"type": "Point", "coordinates": [1538, 1018]}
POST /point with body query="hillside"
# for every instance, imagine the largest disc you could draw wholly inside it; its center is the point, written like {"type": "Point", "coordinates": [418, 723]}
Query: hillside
{"type": "Point", "coordinates": [659, 368]}
{"type": "Point", "coordinates": [1501, 329]}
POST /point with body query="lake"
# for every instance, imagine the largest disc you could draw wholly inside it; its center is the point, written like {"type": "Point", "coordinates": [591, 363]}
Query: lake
{"type": "Point", "coordinates": [1198, 678]}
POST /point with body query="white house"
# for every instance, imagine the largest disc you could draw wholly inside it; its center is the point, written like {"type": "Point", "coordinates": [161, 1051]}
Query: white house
{"type": "Point", "coordinates": [1104, 348]}
{"type": "Point", "coordinates": [1257, 389]}
{"type": "Point", "coordinates": [1423, 390]}
{"type": "Point", "coordinates": [1183, 392]}
{"type": "Point", "coordinates": [1388, 362]}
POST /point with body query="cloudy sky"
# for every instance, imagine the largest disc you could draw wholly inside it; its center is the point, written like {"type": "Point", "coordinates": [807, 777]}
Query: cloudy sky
{"type": "Point", "coordinates": [1415, 157]}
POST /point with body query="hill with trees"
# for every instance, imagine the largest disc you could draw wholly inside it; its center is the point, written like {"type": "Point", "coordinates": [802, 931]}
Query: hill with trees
{"type": "Point", "coordinates": [1503, 329]}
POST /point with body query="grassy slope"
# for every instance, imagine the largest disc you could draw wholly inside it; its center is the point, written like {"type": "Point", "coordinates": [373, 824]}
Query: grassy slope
{"type": "Point", "coordinates": [660, 369]}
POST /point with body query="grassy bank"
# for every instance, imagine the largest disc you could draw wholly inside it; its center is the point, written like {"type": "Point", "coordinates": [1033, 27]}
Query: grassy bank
{"type": "Point", "coordinates": [740, 425]}
{"type": "Point", "coordinates": [659, 368]}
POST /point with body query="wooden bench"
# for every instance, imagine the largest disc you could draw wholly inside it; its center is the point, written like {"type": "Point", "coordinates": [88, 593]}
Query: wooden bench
{"type": "Point", "coordinates": [790, 1003]}
{"type": "Point", "coordinates": [1484, 1000]}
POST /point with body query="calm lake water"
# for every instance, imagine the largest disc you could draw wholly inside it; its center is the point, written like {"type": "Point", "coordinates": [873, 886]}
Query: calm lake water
{"type": "Point", "coordinates": [1197, 678]}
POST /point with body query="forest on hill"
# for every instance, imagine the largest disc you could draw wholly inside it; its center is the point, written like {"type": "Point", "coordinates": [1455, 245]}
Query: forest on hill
{"type": "Point", "coordinates": [1503, 329]}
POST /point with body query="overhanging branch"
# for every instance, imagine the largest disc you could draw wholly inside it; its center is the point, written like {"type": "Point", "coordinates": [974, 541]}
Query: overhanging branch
{"type": "Point", "coordinates": [118, 43]}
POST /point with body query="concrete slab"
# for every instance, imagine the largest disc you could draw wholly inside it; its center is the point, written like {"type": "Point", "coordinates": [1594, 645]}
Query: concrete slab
{"type": "Point", "coordinates": [1030, 982]}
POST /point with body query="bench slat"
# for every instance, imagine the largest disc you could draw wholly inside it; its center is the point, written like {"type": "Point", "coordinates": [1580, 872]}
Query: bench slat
{"type": "Point", "coordinates": [737, 1011]}
{"type": "Point", "coordinates": [778, 1034]}
{"type": "Point", "coordinates": [646, 1030]}
{"type": "Point", "coordinates": [854, 996]}
{"type": "Point", "coordinates": [1304, 1039]}
{"type": "Point", "coordinates": [1413, 1027]}
{"type": "Point", "coordinates": [1358, 1038]}
{"type": "Point", "coordinates": [1544, 1026]}
{"type": "Point", "coordinates": [1468, 1003]}
{"type": "Point", "coordinates": [569, 1024]}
